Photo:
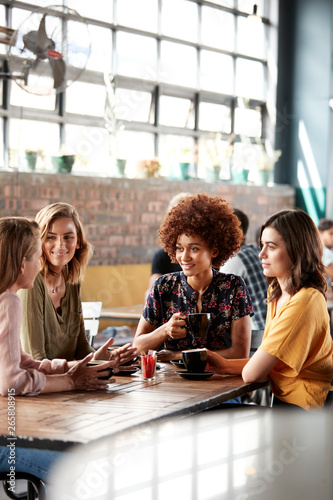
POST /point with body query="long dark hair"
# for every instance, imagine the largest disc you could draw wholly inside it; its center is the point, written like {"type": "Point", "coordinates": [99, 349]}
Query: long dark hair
{"type": "Point", "coordinates": [305, 251]}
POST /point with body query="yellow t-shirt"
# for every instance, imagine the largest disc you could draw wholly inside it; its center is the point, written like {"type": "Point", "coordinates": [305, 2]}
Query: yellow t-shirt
{"type": "Point", "coordinates": [299, 336]}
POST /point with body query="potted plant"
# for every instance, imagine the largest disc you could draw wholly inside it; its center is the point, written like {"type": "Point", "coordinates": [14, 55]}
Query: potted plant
{"type": "Point", "coordinates": [63, 163]}
{"type": "Point", "coordinates": [30, 159]}
{"type": "Point", "coordinates": [266, 162]}
{"type": "Point", "coordinates": [152, 167]}
{"type": "Point", "coordinates": [184, 163]}
{"type": "Point", "coordinates": [217, 155]}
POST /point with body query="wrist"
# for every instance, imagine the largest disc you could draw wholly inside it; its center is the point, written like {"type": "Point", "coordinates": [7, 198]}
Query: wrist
{"type": "Point", "coordinates": [69, 382]}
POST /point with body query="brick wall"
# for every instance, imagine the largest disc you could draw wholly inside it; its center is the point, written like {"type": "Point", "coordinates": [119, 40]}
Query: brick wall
{"type": "Point", "coordinates": [121, 216]}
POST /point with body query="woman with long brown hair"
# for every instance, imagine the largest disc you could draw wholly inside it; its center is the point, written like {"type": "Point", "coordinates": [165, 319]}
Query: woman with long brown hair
{"type": "Point", "coordinates": [52, 321]}
{"type": "Point", "coordinates": [296, 351]}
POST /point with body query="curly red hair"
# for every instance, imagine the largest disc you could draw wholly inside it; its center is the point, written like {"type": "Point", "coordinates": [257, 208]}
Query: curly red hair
{"type": "Point", "coordinates": [209, 217]}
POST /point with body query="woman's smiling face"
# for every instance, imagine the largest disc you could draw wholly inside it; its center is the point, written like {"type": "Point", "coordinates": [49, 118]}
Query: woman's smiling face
{"type": "Point", "coordinates": [193, 255]}
{"type": "Point", "coordinates": [60, 243]}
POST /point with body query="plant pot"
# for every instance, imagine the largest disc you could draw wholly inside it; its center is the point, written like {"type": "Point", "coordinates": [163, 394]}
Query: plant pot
{"type": "Point", "coordinates": [63, 164]}
{"type": "Point", "coordinates": [240, 176]}
{"type": "Point", "coordinates": [31, 159]}
{"type": "Point", "coordinates": [121, 166]}
{"type": "Point", "coordinates": [184, 168]}
{"type": "Point", "coordinates": [216, 174]}
{"type": "Point", "coordinates": [264, 176]}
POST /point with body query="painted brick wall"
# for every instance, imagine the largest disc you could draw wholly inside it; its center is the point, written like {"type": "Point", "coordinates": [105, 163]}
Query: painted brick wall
{"type": "Point", "coordinates": [121, 216]}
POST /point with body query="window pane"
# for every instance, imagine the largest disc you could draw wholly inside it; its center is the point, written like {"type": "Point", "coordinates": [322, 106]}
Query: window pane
{"type": "Point", "coordinates": [247, 156]}
{"type": "Point", "coordinates": [248, 122]}
{"type": "Point", "coordinates": [218, 28]}
{"type": "Point", "coordinates": [18, 16]}
{"type": "Point", "coordinates": [185, 24]}
{"type": "Point", "coordinates": [85, 99]}
{"type": "Point", "coordinates": [215, 117]}
{"type": "Point", "coordinates": [176, 112]}
{"type": "Point", "coordinates": [98, 9]}
{"type": "Point", "coordinates": [250, 79]}
{"type": "Point", "coordinates": [173, 69]}
{"type": "Point", "coordinates": [135, 147]}
{"type": "Point", "coordinates": [137, 56]}
{"type": "Point", "coordinates": [133, 105]}
{"type": "Point", "coordinates": [173, 150]}
{"type": "Point", "coordinates": [91, 145]}
{"type": "Point", "coordinates": [3, 47]}
{"type": "Point", "coordinates": [19, 97]}
{"type": "Point", "coordinates": [217, 72]}
{"type": "Point", "coordinates": [32, 135]}
{"type": "Point", "coordinates": [100, 58]}
{"type": "Point", "coordinates": [251, 38]}
{"type": "Point", "coordinates": [138, 14]}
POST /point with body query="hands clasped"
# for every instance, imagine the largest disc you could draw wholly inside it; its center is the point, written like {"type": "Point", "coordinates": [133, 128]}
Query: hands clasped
{"type": "Point", "coordinates": [87, 377]}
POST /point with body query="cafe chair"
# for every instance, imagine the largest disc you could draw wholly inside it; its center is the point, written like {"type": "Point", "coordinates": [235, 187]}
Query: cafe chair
{"type": "Point", "coordinates": [91, 312]}
{"type": "Point", "coordinates": [35, 487]}
{"type": "Point", "coordinates": [328, 405]}
{"type": "Point", "coordinates": [260, 396]}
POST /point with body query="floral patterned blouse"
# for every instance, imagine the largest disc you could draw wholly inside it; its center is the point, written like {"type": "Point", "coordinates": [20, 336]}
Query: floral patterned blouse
{"type": "Point", "coordinates": [226, 299]}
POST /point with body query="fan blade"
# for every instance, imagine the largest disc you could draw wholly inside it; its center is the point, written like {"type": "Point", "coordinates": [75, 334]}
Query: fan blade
{"type": "Point", "coordinates": [59, 69]}
{"type": "Point", "coordinates": [43, 40]}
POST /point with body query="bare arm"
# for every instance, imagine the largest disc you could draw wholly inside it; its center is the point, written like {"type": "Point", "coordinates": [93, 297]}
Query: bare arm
{"type": "Point", "coordinates": [255, 369]}
{"type": "Point", "coordinates": [240, 339]}
{"type": "Point", "coordinates": [259, 366]}
{"type": "Point", "coordinates": [147, 337]}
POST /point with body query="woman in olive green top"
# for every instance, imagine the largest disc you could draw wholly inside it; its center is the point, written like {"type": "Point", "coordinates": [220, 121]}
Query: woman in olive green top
{"type": "Point", "coordinates": [52, 321]}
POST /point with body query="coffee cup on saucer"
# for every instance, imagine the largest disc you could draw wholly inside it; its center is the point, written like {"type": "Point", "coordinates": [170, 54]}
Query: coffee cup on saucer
{"type": "Point", "coordinates": [195, 360]}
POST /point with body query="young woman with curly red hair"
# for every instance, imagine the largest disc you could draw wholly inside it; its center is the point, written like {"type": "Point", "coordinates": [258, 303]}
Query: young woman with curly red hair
{"type": "Point", "coordinates": [200, 233]}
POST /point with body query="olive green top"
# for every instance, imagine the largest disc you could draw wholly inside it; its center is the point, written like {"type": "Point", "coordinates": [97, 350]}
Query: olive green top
{"type": "Point", "coordinates": [45, 333]}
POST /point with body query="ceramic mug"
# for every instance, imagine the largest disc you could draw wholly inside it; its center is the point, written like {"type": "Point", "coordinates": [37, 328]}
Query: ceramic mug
{"type": "Point", "coordinates": [198, 324]}
{"type": "Point", "coordinates": [195, 360]}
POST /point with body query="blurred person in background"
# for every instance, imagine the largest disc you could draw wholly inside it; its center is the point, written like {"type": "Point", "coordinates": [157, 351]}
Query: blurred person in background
{"type": "Point", "coordinates": [246, 263]}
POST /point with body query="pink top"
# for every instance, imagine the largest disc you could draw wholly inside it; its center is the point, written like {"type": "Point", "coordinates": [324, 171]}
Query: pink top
{"type": "Point", "coordinates": [18, 370]}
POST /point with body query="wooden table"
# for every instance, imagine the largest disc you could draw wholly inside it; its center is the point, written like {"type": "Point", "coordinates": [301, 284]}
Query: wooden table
{"type": "Point", "coordinates": [126, 313]}
{"type": "Point", "coordinates": [56, 421]}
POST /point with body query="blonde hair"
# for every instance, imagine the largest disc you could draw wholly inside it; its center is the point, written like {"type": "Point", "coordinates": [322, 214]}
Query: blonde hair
{"type": "Point", "coordinates": [75, 269]}
{"type": "Point", "coordinates": [18, 240]}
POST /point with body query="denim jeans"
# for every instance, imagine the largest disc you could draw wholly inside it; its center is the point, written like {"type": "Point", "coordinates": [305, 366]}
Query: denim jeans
{"type": "Point", "coordinates": [30, 460]}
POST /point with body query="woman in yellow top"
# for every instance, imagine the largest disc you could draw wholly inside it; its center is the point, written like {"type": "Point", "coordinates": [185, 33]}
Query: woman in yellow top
{"type": "Point", "coordinates": [296, 351]}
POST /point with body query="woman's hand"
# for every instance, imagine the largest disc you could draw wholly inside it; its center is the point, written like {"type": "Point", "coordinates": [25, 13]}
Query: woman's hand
{"type": "Point", "coordinates": [175, 327]}
{"type": "Point", "coordinates": [86, 377]}
{"type": "Point", "coordinates": [126, 353]}
{"type": "Point", "coordinates": [216, 363]}
{"type": "Point", "coordinates": [121, 354]}
{"type": "Point", "coordinates": [166, 355]}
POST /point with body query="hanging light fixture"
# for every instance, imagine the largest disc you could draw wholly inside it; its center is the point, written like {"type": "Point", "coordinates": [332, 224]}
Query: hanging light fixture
{"type": "Point", "coordinates": [254, 16]}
